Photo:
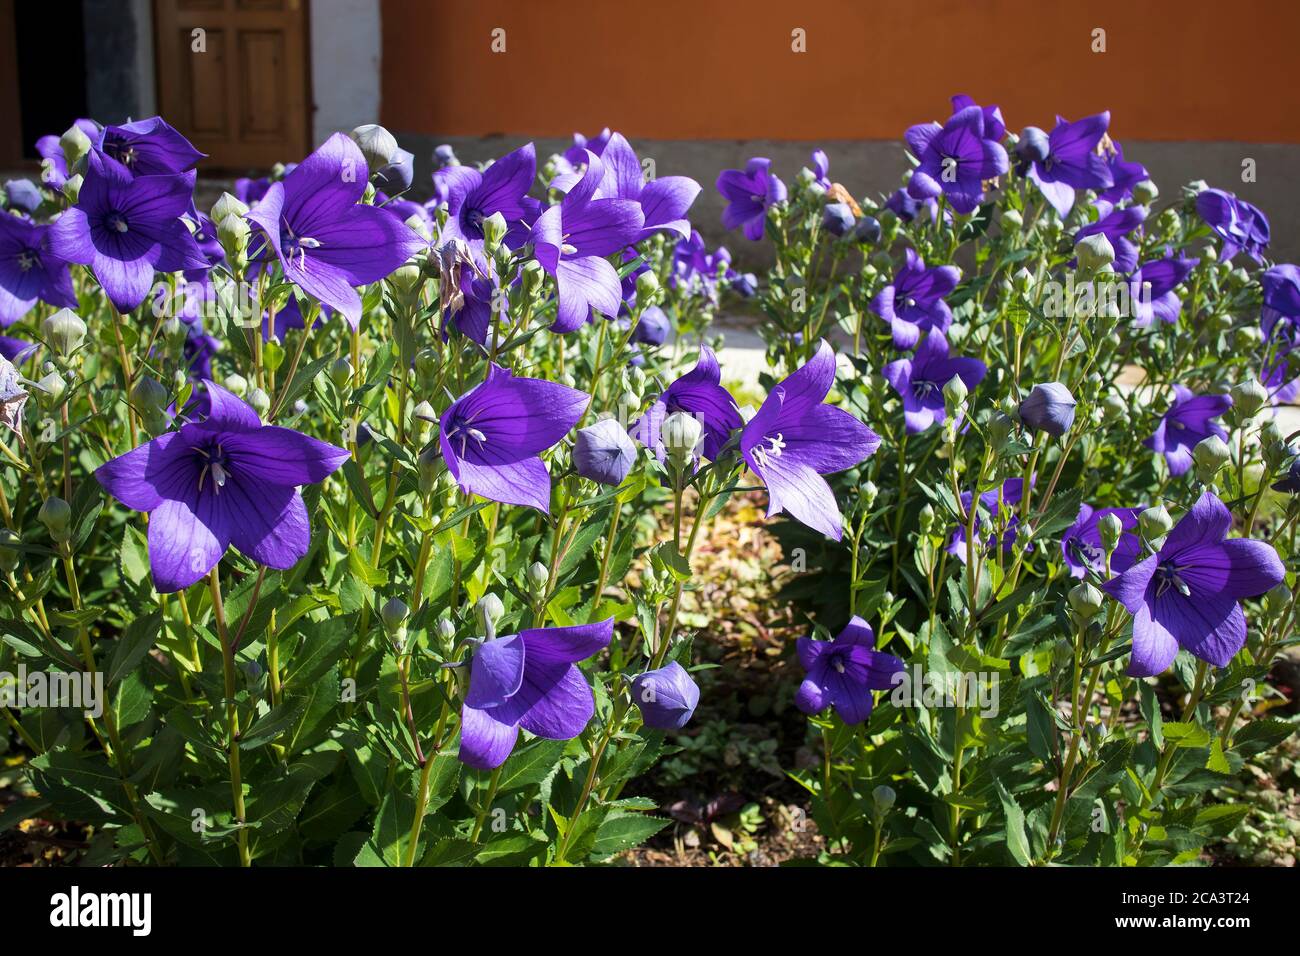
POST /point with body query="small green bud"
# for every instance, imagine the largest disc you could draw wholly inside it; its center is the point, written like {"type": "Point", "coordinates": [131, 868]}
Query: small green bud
{"type": "Point", "coordinates": [341, 371]}
{"type": "Point", "coordinates": [407, 277]}
{"type": "Point", "coordinates": [148, 394]}
{"type": "Point", "coordinates": [64, 331]}
{"type": "Point", "coordinates": [1022, 281]}
{"type": "Point", "coordinates": [538, 576]}
{"type": "Point", "coordinates": [56, 515]}
{"type": "Point", "coordinates": [426, 368]}
{"type": "Point", "coordinates": [228, 205]}
{"type": "Point", "coordinates": [681, 434]}
{"type": "Point", "coordinates": [1210, 454]}
{"type": "Point", "coordinates": [1094, 253]}
{"type": "Point", "coordinates": [233, 233]}
{"type": "Point", "coordinates": [446, 630]}
{"type": "Point", "coordinates": [1248, 397]}
{"type": "Point", "coordinates": [531, 276]}
{"type": "Point", "coordinates": [9, 555]}
{"type": "Point", "coordinates": [494, 232]}
{"type": "Point", "coordinates": [954, 394]}
{"type": "Point", "coordinates": [53, 385]}
{"type": "Point", "coordinates": [75, 145]}
{"type": "Point", "coordinates": [260, 402]}
{"type": "Point", "coordinates": [1145, 193]}
{"type": "Point", "coordinates": [869, 494]}
{"type": "Point", "coordinates": [883, 796]}
{"type": "Point", "coordinates": [1114, 407]}
{"type": "Point", "coordinates": [1011, 220]}
{"type": "Point", "coordinates": [1155, 523]}
{"type": "Point", "coordinates": [647, 288]}
{"type": "Point", "coordinates": [1085, 600]}
{"type": "Point", "coordinates": [393, 615]}
{"type": "Point", "coordinates": [237, 384]}
{"type": "Point", "coordinates": [488, 610]}
{"type": "Point", "coordinates": [1109, 530]}
{"type": "Point", "coordinates": [72, 188]}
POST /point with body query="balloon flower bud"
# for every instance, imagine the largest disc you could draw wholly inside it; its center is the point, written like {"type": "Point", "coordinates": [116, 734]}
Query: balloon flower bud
{"type": "Point", "coordinates": [64, 331]}
{"type": "Point", "coordinates": [56, 515]}
{"type": "Point", "coordinates": [681, 434]}
{"type": "Point", "coordinates": [1095, 253]}
{"type": "Point", "coordinates": [1210, 454]}
{"type": "Point", "coordinates": [603, 452]}
{"type": "Point", "coordinates": [666, 697]}
{"type": "Point", "coordinates": [1049, 407]}
{"type": "Point", "coordinates": [1085, 600]}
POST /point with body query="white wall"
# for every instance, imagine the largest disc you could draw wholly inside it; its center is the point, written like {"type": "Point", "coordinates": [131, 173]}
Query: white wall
{"type": "Point", "coordinates": [345, 60]}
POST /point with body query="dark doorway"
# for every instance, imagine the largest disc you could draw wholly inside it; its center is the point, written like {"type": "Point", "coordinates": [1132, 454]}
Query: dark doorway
{"type": "Point", "coordinates": [51, 70]}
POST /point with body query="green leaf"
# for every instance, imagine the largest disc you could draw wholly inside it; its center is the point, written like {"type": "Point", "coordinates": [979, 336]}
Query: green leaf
{"type": "Point", "coordinates": [275, 723]}
{"type": "Point", "coordinates": [1186, 734]}
{"type": "Point", "coordinates": [132, 646]}
{"type": "Point", "coordinates": [1017, 842]}
{"type": "Point", "coordinates": [623, 830]}
{"type": "Point", "coordinates": [530, 765]}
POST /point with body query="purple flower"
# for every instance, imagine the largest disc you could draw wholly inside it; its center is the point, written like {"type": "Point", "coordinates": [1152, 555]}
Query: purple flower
{"type": "Point", "coordinates": [653, 327]}
{"type": "Point", "coordinates": [1189, 421]}
{"type": "Point", "coordinates": [1152, 289]}
{"type": "Point", "coordinates": [149, 147]}
{"type": "Point", "coordinates": [1011, 492]}
{"type": "Point", "coordinates": [919, 380]}
{"type": "Point", "coordinates": [837, 218]}
{"type": "Point", "coordinates": [17, 351]}
{"type": "Point", "coordinates": [571, 240]}
{"type": "Point", "coordinates": [821, 168]}
{"type": "Point", "coordinates": [1273, 376]}
{"type": "Point", "coordinates": [472, 196]}
{"type": "Point", "coordinates": [530, 680]}
{"type": "Point", "coordinates": [1124, 176]}
{"type": "Point", "coordinates": [1048, 407]}
{"type": "Point", "coordinates": [903, 205]}
{"type": "Point", "coordinates": [1187, 595]}
{"type": "Point", "coordinates": [843, 673]}
{"type": "Point", "coordinates": [1241, 226]}
{"type": "Point", "coordinates": [1073, 161]}
{"type": "Point", "coordinates": [127, 227]}
{"type": "Point", "coordinates": [750, 194]}
{"type": "Point", "coordinates": [603, 452]}
{"type": "Point", "coordinates": [29, 271]}
{"type": "Point", "coordinates": [326, 241]}
{"type": "Point", "coordinates": [699, 392]}
{"type": "Point", "coordinates": [914, 302]}
{"type": "Point", "coordinates": [794, 439]}
{"type": "Point", "coordinates": [994, 126]}
{"type": "Point", "coordinates": [955, 159]}
{"type": "Point", "coordinates": [481, 295]}
{"type": "Point", "coordinates": [1081, 544]}
{"type": "Point", "coordinates": [1281, 311]}
{"type": "Point", "coordinates": [227, 479]}
{"type": "Point", "coordinates": [663, 201]}
{"type": "Point", "coordinates": [492, 436]}
{"type": "Point", "coordinates": [23, 195]}
{"type": "Point", "coordinates": [1115, 225]}
{"type": "Point", "coordinates": [666, 697]}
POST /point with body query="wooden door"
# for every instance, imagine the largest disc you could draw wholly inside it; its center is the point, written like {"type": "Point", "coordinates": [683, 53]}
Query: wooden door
{"type": "Point", "coordinates": [232, 76]}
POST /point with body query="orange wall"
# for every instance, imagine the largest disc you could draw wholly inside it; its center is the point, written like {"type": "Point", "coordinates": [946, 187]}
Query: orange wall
{"type": "Point", "coordinates": [723, 69]}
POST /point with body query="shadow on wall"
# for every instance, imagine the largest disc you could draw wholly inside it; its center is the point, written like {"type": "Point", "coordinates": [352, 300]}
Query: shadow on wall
{"type": "Point", "coordinates": [875, 169]}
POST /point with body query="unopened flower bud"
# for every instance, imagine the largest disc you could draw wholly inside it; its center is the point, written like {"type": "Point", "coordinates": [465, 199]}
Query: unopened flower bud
{"type": "Point", "coordinates": [1094, 253]}
{"type": "Point", "coordinates": [1011, 220]}
{"type": "Point", "coordinates": [148, 394]}
{"type": "Point", "coordinates": [954, 394]}
{"type": "Point", "coordinates": [1145, 193]}
{"type": "Point", "coordinates": [531, 276]}
{"type": "Point", "coordinates": [1049, 407]}
{"type": "Point", "coordinates": [883, 796]}
{"type": "Point", "coordinates": [488, 610]}
{"type": "Point", "coordinates": [681, 434]}
{"type": "Point", "coordinates": [494, 232]}
{"type": "Point", "coordinates": [64, 331]}
{"type": "Point", "coordinates": [56, 515]}
{"type": "Point", "coordinates": [407, 277]}
{"type": "Point", "coordinates": [9, 555]}
{"type": "Point", "coordinates": [393, 615]}
{"type": "Point", "coordinates": [1278, 598]}
{"type": "Point", "coordinates": [72, 188]}
{"type": "Point", "coordinates": [1114, 406]}
{"type": "Point", "coordinates": [259, 401]}
{"type": "Point", "coordinates": [75, 144]}
{"type": "Point", "coordinates": [1248, 397]}
{"type": "Point", "coordinates": [236, 384]}
{"type": "Point", "coordinates": [377, 145]}
{"type": "Point", "coordinates": [1085, 600]}
{"type": "Point", "coordinates": [1109, 530]}
{"type": "Point", "coordinates": [1154, 523]}
{"type": "Point", "coordinates": [341, 371]}
{"type": "Point", "coordinates": [538, 576]}
{"type": "Point", "coordinates": [1210, 454]}
{"type": "Point", "coordinates": [228, 205]}
{"type": "Point", "coordinates": [869, 494]}
{"type": "Point", "coordinates": [647, 288]}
